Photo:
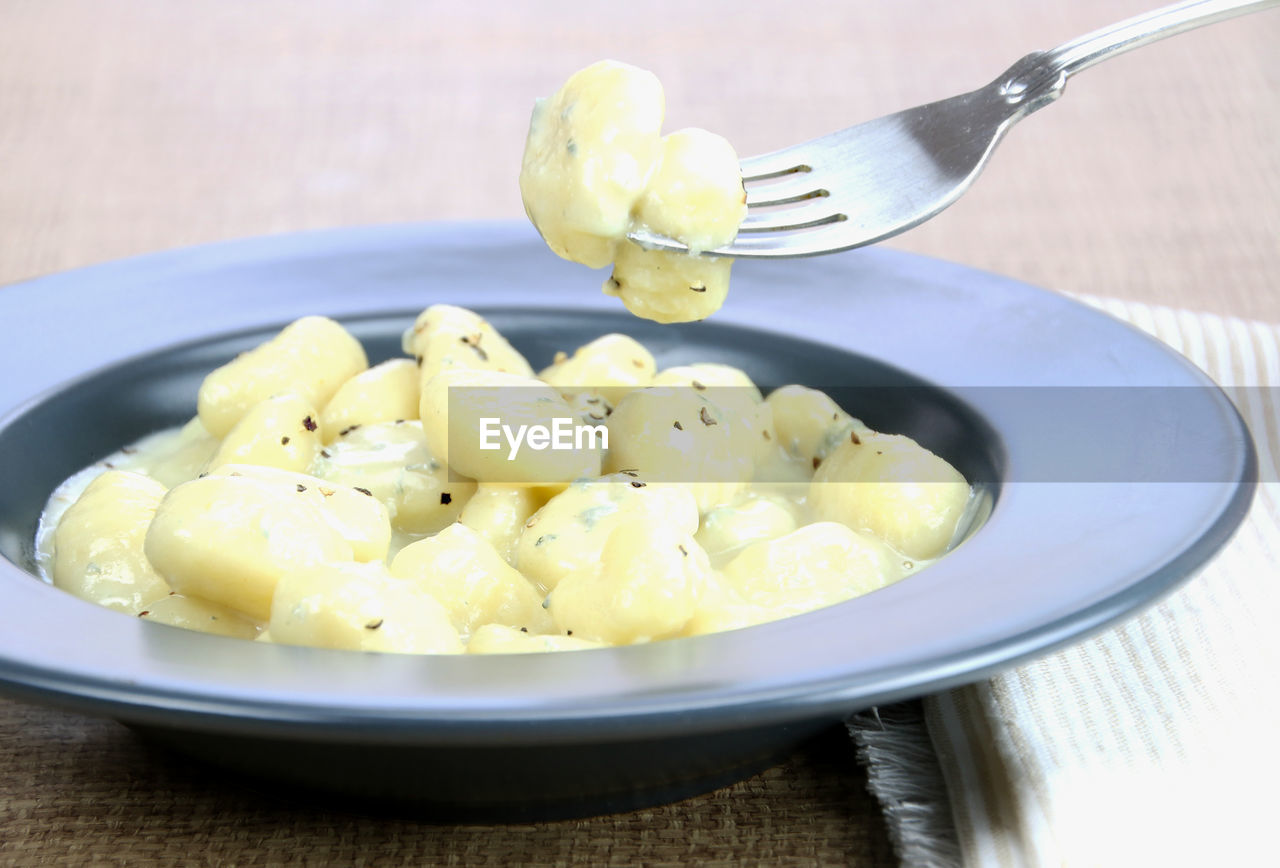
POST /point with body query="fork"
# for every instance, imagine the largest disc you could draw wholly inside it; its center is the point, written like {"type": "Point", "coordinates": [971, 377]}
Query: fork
{"type": "Point", "coordinates": [882, 177]}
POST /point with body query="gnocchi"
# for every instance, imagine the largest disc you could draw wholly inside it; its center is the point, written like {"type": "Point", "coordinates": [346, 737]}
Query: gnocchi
{"type": "Point", "coordinates": [345, 506]}
{"type": "Point", "coordinates": [596, 168]}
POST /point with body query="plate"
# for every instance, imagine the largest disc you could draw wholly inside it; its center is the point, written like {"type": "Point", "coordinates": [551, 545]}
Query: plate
{"type": "Point", "coordinates": [1110, 469]}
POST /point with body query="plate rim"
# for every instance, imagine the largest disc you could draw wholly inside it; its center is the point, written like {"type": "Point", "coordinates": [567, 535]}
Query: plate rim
{"type": "Point", "coordinates": [167, 703]}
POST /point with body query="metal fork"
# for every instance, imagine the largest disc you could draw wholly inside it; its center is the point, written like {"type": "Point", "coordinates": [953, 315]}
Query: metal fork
{"type": "Point", "coordinates": [877, 179]}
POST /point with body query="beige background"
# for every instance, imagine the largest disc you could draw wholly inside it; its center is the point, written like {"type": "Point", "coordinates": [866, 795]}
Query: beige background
{"type": "Point", "coordinates": [137, 125]}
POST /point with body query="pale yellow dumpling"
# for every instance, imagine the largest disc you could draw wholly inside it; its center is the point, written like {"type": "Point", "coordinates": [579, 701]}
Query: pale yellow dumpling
{"type": "Point", "coordinates": [445, 336]}
{"type": "Point", "coordinates": [673, 434]}
{"type": "Point", "coordinates": [696, 193]}
{"type": "Point", "coordinates": [590, 151]}
{"type": "Point", "coordinates": [668, 287]}
{"type": "Point", "coordinates": [809, 424]}
{"type": "Point", "coordinates": [499, 513]}
{"type": "Point", "coordinates": [229, 539]}
{"type": "Point", "coordinates": [391, 461]}
{"type": "Point", "coordinates": [203, 616]}
{"type": "Point", "coordinates": [891, 486]}
{"type": "Point", "coordinates": [311, 358]}
{"type": "Point", "coordinates": [354, 513]}
{"type": "Point", "coordinates": [817, 565]}
{"type": "Point", "coordinates": [476, 586]}
{"type": "Point", "coordinates": [98, 545]}
{"type": "Point", "coordinates": [643, 587]}
{"type": "Point", "coordinates": [282, 431]}
{"type": "Point", "coordinates": [751, 517]}
{"type": "Point", "coordinates": [359, 607]}
{"type": "Point", "coordinates": [595, 171]}
{"type": "Point", "coordinates": [610, 366]}
{"type": "Point", "coordinates": [570, 531]}
{"type": "Point", "coordinates": [384, 393]}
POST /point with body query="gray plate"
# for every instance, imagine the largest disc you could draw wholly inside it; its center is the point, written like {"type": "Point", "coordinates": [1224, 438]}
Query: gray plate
{"type": "Point", "coordinates": [1077, 427]}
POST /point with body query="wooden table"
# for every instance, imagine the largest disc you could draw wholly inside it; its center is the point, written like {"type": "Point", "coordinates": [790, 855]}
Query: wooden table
{"type": "Point", "coordinates": [139, 125]}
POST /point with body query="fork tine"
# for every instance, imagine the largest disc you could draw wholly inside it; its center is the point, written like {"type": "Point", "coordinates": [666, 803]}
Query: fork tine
{"type": "Point", "coordinates": [791, 219]}
{"type": "Point", "coordinates": [782, 189]}
{"type": "Point", "coordinates": [771, 165]}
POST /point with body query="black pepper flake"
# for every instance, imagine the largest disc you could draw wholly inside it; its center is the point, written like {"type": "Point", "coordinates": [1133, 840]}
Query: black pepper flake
{"type": "Point", "coordinates": [816, 462]}
{"type": "Point", "coordinates": [698, 287]}
{"type": "Point", "coordinates": [108, 465]}
{"type": "Point", "coordinates": [309, 424]}
{"type": "Point", "coordinates": [539, 541]}
{"type": "Point", "coordinates": [374, 624]}
{"type": "Point", "coordinates": [706, 417]}
{"type": "Point", "coordinates": [676, 424]}
{"type": "Point", "coordinates": [301, 488]}
{"type": "Point", "coordinates": [202, 475]}
{"type": "Point", "coordinates": [684, 551]}
{"type": "Point", "coordinates": [524, 629]}
{"type": "Point", "coordinates": [128, 450]}
{"type": "Point", "coordinates": [878, 452]}
{"type": "Point", "coordinates": [699, 386]}
{"type": "Point", "coordinates": [568, 632]}
{"type": "Point", "coordinates": [418, 360]}
{"type": "Point", "coordinates": [284, 441]}
{"type": "Point", "coordinates": [635, 483]}
{"type": "Point", "coordinates": [629, 471]}
{"type": "Point", "coordinates": [614, 283]}
{"type": "Point", "coordinates": [445, 498]}
{"type": "Point", "coordinates": [399, 421]}
{"type": "Point", "coordinates": [854, 438]}
{"type": "Point", "coordinates": [363, 490]}
{"type": "Point", "coordinates": [572, 147]}
{"type": "Point", "coordinates": [767, 435]}
{"type": "Point", "coordinates": [345, 431]}
{"type": "Point", "coordinates": [473, 341]}
{"type": "Point", "coordinates": [324, 453]}
{"type": "Point", "coordinates": [144, 613]}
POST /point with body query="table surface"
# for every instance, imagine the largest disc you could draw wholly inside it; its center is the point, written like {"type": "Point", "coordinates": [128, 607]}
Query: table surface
{"type": "Point", "coordinates": [140, 125]}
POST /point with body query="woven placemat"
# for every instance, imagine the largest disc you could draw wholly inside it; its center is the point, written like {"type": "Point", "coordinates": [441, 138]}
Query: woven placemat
{"type": "Point", "coordinates": [79, 790]}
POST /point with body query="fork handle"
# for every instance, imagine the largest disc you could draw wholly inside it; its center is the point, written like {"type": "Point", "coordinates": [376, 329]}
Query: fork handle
{"type": "Point", "coordinates": [1039, 78]}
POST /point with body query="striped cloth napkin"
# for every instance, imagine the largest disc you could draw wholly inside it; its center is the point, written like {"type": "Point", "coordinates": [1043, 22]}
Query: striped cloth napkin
{"type": "Point", "coordinates": [1154, 743]}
